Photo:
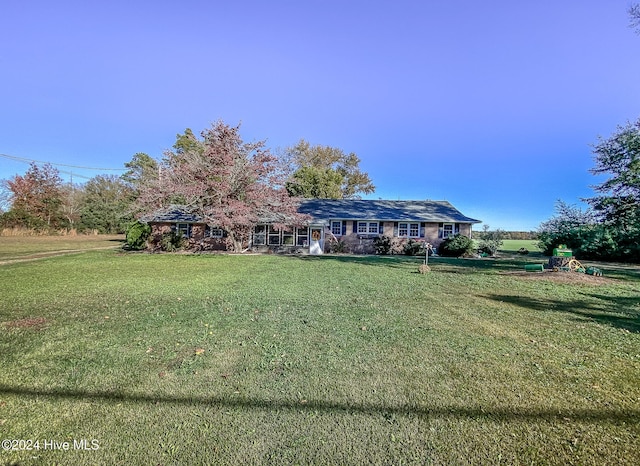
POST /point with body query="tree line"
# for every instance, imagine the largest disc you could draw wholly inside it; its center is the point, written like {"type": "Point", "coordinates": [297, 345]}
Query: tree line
{"type": "Point", "coordinates": [230, 183]}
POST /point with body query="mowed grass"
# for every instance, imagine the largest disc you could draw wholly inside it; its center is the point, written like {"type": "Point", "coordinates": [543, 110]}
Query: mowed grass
{"type": "Point", "coordinates": [220, 359]}
{"type": "Point", "coordinates": [20, 247]}
{"type": "Point", "coordinates": [513, 245]}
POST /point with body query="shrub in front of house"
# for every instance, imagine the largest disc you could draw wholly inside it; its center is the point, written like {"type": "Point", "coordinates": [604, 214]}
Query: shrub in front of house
{"type": "Point", "coordinates": [338, 246]}
{"type": "Point", "coordinates": [412, 247]}
{"type": "Point", "coordinates": [171, 241]}
{"type": "Point", "coordinates": [382, 245]}
{"type": "Point", "coordinates": [137, 235]}
{"type": "Point", "coordinates": [456, 246]}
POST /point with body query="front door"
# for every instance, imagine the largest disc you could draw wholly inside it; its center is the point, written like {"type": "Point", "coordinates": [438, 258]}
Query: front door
{"type": "Point", "coordinates": [317, 241]}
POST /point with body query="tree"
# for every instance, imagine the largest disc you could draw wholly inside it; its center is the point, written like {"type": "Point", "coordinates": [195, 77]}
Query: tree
{"type": "Point", "coordinates": [323, 171]}
{"type": "Point", "coordinates": [72, 200]}
{"type": "Point", "coordinates": [619, 157]}
{"type": "Point", "coordinates": [140, 170]}
{"type": "Point", "coordinates": [610, 228]}
{"type": "Point", "coordinates": [229, 183]}
{"type": "Point", "coordinates": [618, 204]}
{"type": "Point", "coordinates": [564, 227]}
{"type": "Point", "coordinates": [5, 196]}
{"type": "Point", "coordinates": [105, 205]}
{"type": "Point", "coordinates": [491, 241]}
{"type": "Point", "coordinates": [634, 17]}
{"type": "Point", "coordinates": [315, 182]}
{"type": "Point", "coordinates": [36, 197]}
{"type": "Point", "coordinates": [187, 142]}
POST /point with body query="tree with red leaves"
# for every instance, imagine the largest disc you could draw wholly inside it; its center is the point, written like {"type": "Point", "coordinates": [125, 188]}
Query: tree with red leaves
{"type": "Point", "coordinates": [36, 198]}
{"type": "Point", "coordinates": [231, 184]}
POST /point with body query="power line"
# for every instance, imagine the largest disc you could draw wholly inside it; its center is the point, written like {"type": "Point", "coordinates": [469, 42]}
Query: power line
{"type": "Point", "coordinates": [22, 159]}
{"type": "Point", "coordinates": [74, 175]}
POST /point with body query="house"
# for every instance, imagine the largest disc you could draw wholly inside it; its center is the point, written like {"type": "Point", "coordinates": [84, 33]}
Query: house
{"type": "Point", "coordinates": [352, 223]}
{"type": "Point", "coordinates": [190, 226]}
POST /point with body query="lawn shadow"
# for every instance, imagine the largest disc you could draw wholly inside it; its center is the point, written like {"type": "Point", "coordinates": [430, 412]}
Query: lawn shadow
{"type": "Point", "coordinates": [473, 265]}
{"type": "Point", "coordinates": [371, 260]}
{"type": "Point", "coordinates": [616, 311]}
{"type": "Point", "coordinates": [500, 263]}
{"type": "Point", "coordinates": [439, 264]}
{"type": "Point", "coordinates": [612, 416]}
{"type": "Point", "coordinates": [626, 272]}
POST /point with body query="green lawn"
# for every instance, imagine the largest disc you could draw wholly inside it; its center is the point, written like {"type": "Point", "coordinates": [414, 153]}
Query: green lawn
{"type": "Point", "coordinates": [20, 247]}
{"type": "Point", "coordinates": [513, 245]}
{"type": "Point", "coordinates": [221, 359]}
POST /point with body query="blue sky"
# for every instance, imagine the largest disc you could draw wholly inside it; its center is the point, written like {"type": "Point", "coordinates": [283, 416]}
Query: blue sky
{"type": "Point", "coordinates": [490, 105]}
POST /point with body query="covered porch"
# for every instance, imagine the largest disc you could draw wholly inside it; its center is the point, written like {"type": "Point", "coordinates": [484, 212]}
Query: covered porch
{"type": "Point", "coordinates": [302, 240]}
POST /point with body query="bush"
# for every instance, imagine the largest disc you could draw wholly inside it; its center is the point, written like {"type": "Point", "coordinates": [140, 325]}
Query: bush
{"type": "Point", "coordinates": [456, 246]}
{"type": "Point", "coordinates": [338, 246]}
{"type": "Point", "coordinates": [171, 241]}
{"type": "Point", "coordinates": [382, 245]}
{"type": "Point", "coordinates": [488, 247]}
{"type": "Point", "coordinates": [137, 235]}
{"type": "Point", "coordinates": [596, 242]}
{"type": "Point", "coordinates": [413, 247]}
{"type": "Point", "coordinates": [491, 241]}
{"type": "Point", "coordinates": [523, 251]}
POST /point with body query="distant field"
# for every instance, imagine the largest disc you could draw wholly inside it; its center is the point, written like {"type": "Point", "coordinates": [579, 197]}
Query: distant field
{"type": "Point", "coordinates": [268, 359]}
{"type": "Point", "coordinates": [17, 247]}
{"type": "Point", "coordinates": [512, 245]}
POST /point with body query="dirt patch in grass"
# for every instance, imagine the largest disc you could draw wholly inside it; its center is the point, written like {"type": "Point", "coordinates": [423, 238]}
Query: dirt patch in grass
{"type": "Point", "coordinates": [33, 323]}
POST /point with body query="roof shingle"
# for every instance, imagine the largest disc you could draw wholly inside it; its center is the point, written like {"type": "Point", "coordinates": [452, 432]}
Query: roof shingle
{"type": "Point", "coordinates": [367, 209]}
{"type": "Point", "coordinates": [324, 210]}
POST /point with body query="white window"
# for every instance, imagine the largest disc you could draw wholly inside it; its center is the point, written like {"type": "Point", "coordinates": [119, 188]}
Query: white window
{"type": "Point", "coordinates": [448, 229]}
{"type": "Point", "coordinates": [214, 232]}
{"type": "Point", "coordinates": [370, 228]}
{"type": "Point", "coordinates": [274, 236]}
{"type": "Point", "coordinates": [303, 236]}
{"type": "Point", "coordinates": [403, 229]}
{"type": "Point", "coordinates": [414, 230]}
{"type": "Point", "coordinates": [259, 236]}
{"type": "Point", "coordinates": [264, 235]}
{"type": "Point", "coordinates": [409, 230]}
{"type": "Point", "coordinates": [287, 238]}
{"type": "Point", "coordinates": [336, 228]}
{"type": "Point", "coordinates": [184, 229]}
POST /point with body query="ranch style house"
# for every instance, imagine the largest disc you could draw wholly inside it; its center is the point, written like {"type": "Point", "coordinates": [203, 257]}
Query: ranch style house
{"type": "Point", "coordinates": [353, 223]}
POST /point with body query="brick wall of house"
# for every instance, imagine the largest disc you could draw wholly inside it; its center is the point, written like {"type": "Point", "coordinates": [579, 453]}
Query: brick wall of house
{"type": "Point", "coordinates": [387, 229]}
{"type": "Point", "coordinates": [355, 243]}
{"type": "Point", "coordinates": [431, 233]}
{"type": "Point", "coordinates": [465, 229]}
{"type": "Point", "coordinates": [197, 239]}
{"type": "Point", "coordinates": [158, 229]}
{"type": "Point", "coordinates": [362, 244]}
